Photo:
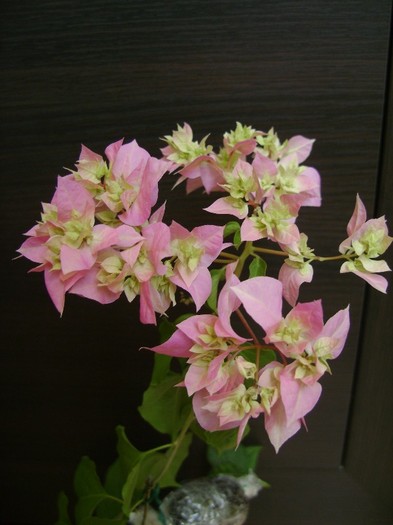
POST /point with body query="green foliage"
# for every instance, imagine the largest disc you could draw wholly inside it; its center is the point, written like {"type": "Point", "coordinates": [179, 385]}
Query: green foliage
{"type": "Point", "coordinates": [235, 462]}
{"type": "Point", "coordinates": [90, 492]}
{"type": "Point", "coordinates": [266, 356]}
{"type": "Point", "coordinates": [220, 440]}
{"type": "Point", "coordinates": [257, 267]}
{"type": "Point", "coordinates": [231, 227]}
{"type": "Point", "coordinates": [217, 276]}
{"type": "Point", "coordinates": [166, 329]}
{"type": "Point", "coordinates": [62, 505]}
{"type": "Point", "coordinates": [165, 407]}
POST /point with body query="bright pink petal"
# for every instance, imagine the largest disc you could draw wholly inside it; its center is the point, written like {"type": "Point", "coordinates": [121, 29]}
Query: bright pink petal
{"type": "Point", "coordinates": [178, 345]}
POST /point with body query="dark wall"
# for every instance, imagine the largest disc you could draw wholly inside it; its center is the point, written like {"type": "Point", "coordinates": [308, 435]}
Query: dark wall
{"type": "Point", "coordinates": [92, 72]}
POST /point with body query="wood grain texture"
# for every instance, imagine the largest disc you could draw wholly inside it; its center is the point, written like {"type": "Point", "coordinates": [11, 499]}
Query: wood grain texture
{"type": "Point", "coordinates": [369, 450]}
{"type": "Point", "coordinates": [94, 72]}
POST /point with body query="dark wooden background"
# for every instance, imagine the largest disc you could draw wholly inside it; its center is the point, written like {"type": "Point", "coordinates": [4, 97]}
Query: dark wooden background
{"type": "Point", "coordinates": [92, 72]}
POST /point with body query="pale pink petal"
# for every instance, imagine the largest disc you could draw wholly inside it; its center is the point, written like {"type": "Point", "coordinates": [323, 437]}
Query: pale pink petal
{"type": "Point", "coordinates": [249, 232]}
{"type": "Point", "coordinates": [376, 281]}
{"type": "Point", "coordinates": [196, 325]}
{"type": "Point", "coordinates": [337, 328]}
{"type": "Point", "coordinates": [71, 195]}
{"type": "Point", "coordinates": [223, 206]}
{"type": "Point", "coordinates": [245, 147]}
{"type": "Point", "coordinates": [75, 259]}
{"type": "Point", "coordinates": [309, 182]}
{"type": "Point", "coordinates": [299, 145]}
{"type": "Point", "coordinates": [88, 154]}
{"type": "Point", "coordinates": [112, 150]}
{"type": "Point", "coordinates": [200, 288]}
{"type": "Point", "coordinates": [262, 299]}
{"type": "Point", "coordinates": [298, 399]}
{"type": "Point", "coordinates": [121, 237]}
{"type": "Point", "coordinates": [208, 420]}
{"type": "Point", "coordinates": [158, 215]}
{"type": "Point", "coordinates": [292, 279]}
{"type": "Point", "coordinates": [205, 168]}
{"type": "Point", "coordinates": [34, 249]}
{"type": "Point", "coordinates": [358, 218]}
{"type": "Point", "coordinates": [146, 310]}
{"type": "Point", "coordinates": [55, 287]}
{"type": "Point", "coordinates": [88, 286]}
{"type": "Point", "coordinates": [157, 242]}
{"type": "Point", "coordinates": [277, 427]}
{"type": "Point", "coordinates": [211, 238]}
{"type": "Point", "coordinates": [129, 157]}
{"type": "Point", "coordinates": [130, 256]}
{"type": "Point", "coordinates": [227, 303]}
{"type": "Point", "coordinates": [216, 377]}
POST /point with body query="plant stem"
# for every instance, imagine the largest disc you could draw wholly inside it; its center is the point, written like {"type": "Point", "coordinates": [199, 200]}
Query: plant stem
{"type": "Point", "coordinates": [272, 252]}
{"type": "Point", "coordinates": [332, 258]}
{"type": "Point", "coordinates": [248, 250]}
{"type": "Point", "coordinates": [229, 255]}
{"type": "Point", "coordinates": [175, 446]}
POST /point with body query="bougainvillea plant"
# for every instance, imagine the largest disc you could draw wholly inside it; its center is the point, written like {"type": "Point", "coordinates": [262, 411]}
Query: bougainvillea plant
{"type": "Point", "coordinates": [102, 236]}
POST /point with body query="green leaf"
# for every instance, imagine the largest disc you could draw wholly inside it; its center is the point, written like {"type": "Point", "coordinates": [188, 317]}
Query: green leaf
{"type": "Point", "coordinates": [220, 440]}
{"type": "Point", "coordinates": [62, 505]}
{"type": "Point", "coordinates": [88, 488]}
{"type": "Point", "coordinates": [217, 276]}
{"type": "Point", "coordinates": [235, 462]}
{"type": "Point", "coordinates": [128, 454]}
{"type": "Point", "coordinates": [257, 267]}
{"type": "Point", "coordinates": [265, 356]}
{"type": "Point", "coordinates": [169, 478]}
{"type": "Point", "coordinates": [114, 479]}
{"type": "Point", "coordinates": [161, 368]}
{"type": "Point", "coordinates": [166, 406]}
{"type": "Point", "coordinates": [231, 227]}
{"type": "Point", "coordinates": [237, 240]}
{"type": "Point", "coordinates": [129, 489]}
{"type": "Point", "coordinates": [166, 329]}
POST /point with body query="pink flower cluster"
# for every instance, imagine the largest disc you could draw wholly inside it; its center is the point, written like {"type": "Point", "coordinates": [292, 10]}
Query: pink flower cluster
{"type": "Point", "coordinates": [266, 185]}
{"type": "Point", "coordinates": [229, 389]}
{"type": "Point", "coordinates": [98, 237]}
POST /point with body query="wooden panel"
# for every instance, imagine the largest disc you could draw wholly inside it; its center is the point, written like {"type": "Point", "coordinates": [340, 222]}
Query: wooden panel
{"type": "Point", "coordinates": [93, 72]}
{"type": "Point", "coordinates": [369, 454]}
